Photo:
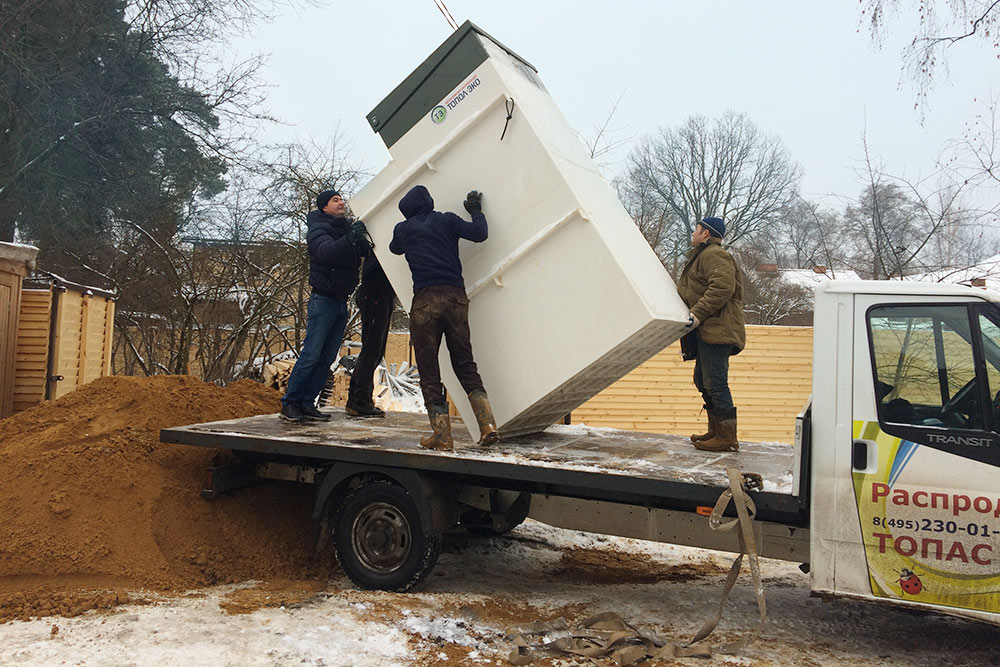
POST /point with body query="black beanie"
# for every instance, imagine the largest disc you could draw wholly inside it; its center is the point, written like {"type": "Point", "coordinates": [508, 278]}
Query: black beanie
{"type": "Point", "coordinates": [323, 198]}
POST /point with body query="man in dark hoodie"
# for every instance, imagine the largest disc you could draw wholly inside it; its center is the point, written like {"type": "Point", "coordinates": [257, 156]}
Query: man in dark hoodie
{"type": "Point", "coordinates": [336, 247]}
{"type": "Point", "coordinates": [376, 300]}
{"type": "Point", "coordinates": [429, 240]}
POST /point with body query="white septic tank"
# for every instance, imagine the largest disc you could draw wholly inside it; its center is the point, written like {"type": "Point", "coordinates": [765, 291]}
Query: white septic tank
{"type": "Point", "coordinates": [565, 296]}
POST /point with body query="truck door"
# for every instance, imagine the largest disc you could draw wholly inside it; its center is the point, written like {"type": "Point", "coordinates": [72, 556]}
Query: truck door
{"type": "Point", "coordinates": [925, 458]}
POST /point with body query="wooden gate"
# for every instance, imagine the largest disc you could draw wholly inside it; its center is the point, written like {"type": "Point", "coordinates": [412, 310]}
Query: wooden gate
{"type": "Point", "coordinates": [16, 261]}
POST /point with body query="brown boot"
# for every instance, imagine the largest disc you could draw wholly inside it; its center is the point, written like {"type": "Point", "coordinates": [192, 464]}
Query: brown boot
{"type": "Point", "coordinates": [484, 415]}
{"type": "Point", "coordinates": [708, 435]}
{"type": "Point", "coordinates": [441, 423]}
{"type": "Point", "coordinates": [725, 437]}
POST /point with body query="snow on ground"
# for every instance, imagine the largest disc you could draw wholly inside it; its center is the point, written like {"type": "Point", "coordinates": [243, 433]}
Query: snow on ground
{"type": "Point", "coordinates": [481, 589]}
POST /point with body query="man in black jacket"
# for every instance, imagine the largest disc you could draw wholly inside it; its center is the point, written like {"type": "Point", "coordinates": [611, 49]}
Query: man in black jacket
{"type": "Point", "coordinates": [336, 247]}
{"type": "Point", "coordinates": [376, 301]}
{"type": "Point", "coordinates": [429, 240]}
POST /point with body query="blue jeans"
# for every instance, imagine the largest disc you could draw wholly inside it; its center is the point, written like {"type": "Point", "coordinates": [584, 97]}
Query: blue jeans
{"type": "Point", "coordinates": [711, 377]}
{"type": "Point", "coordinates": [325, 326]}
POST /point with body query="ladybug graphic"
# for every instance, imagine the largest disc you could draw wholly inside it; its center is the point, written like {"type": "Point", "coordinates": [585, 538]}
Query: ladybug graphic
{"type": "Point", "coordinates": [910, 582]}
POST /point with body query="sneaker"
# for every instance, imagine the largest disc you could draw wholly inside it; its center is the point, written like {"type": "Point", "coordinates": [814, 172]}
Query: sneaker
{"type": "Point", "coordinates": [369, 410]}
{"type": "Point", "coordinates": [309, 411]}
{"type": "Point", "coordinates": [291, 412]}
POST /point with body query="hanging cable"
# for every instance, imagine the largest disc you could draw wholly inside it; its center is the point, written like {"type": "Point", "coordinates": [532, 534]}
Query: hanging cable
{"type": "Point", "coordinates": [510, 114]}
{"type": "Point", "coordinates": [446, 13]}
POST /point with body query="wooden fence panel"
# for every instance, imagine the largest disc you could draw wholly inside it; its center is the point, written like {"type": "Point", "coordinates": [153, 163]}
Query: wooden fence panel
{"type": "Point", "coordinates": [32, 348]}
{"type": "Point", "coordinates": [10, 306]}
{"type": "Point", "coordinates": [770, 380]}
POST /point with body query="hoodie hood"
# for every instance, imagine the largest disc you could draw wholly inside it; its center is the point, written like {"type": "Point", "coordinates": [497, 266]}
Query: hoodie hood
{"type": "Point", "coordinates": [417, 201]}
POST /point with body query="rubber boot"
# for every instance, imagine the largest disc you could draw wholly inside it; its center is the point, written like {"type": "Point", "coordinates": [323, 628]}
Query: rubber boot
{"type": "Point", "coordinates": [484, 415]}
{"type": "Point", "coordinates": [725, 439]}
{"type": "Point", "coordinates": [441, 423]}
{"type": "Point", "coordinates": [708, 435]}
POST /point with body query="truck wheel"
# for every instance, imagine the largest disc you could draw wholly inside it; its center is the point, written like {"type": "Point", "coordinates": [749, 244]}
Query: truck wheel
{"type": "Point", "coordinates": [379, 540]}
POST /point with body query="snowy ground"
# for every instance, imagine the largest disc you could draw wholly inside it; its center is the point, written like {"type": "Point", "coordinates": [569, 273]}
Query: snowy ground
{"type": "Point", "coordinates": [483, 588]}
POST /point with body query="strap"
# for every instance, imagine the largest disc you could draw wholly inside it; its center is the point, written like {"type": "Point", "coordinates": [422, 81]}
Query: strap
{"type": "Point", "coordinates": [606, 635]}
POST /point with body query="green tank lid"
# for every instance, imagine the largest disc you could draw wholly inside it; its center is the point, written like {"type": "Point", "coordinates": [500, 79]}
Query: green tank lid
{"type": "Point", "coordinates": [428, 84]}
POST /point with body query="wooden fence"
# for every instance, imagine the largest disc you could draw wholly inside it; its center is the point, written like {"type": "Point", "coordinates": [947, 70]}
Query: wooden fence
{"type": "Point", "coordinates": [64, 341]}
{"type": "Point", "coordinates": [771, 381]}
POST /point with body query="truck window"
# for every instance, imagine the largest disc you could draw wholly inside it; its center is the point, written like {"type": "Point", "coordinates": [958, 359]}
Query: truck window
{"type": "Point", "coordinates": [990, 333]}
{"type": "Point", "coordinates": [924, 363]}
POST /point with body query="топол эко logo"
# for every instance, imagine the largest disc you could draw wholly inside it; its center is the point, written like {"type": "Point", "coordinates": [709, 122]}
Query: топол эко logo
{"type": "Point", "coordinates": [438, 114]}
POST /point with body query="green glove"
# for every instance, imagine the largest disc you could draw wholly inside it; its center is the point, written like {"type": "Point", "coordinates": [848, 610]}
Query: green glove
{"type": "Point", "coordinates": [474, 202]}
{"type": "Point", "coordinates": [357, 232]}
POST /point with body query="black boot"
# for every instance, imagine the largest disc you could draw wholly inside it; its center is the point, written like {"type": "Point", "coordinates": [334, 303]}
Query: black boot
{"type": "Point", "coordinates": [292, 412]}
{"type": "Point", "coordinates": [363, 410]}
{"type": "Point", "coordinates": [309, 411]}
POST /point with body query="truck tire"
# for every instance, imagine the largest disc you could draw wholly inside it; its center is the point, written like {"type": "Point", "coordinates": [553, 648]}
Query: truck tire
{"type": "Point", "coordinates": [379, 540]}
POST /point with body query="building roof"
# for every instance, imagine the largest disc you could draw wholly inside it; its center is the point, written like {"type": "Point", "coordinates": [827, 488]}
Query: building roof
{"type": "Point", "coordinates": [809, 278]}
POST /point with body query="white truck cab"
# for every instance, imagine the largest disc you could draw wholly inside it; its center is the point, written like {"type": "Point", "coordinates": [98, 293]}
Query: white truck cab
{"type": "Point", "coordinates": [905, 450]}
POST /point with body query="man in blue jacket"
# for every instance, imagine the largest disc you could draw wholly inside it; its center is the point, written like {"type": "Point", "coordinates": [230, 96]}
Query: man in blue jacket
{"type": "Point", "coordinates": [429, 240]}
{"type": "Point", "coordinates": [336, 247]}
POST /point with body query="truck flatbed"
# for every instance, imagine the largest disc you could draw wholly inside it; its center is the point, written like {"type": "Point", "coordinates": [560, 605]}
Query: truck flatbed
{"type": "Point", "coordinates": [648, 469]}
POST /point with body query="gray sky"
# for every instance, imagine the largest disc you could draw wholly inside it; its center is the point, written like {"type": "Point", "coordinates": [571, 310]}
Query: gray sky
{"type": "Point", "coordinates": [807, 72]}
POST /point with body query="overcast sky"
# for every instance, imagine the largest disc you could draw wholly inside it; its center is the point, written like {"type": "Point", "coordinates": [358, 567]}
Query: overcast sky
{"type": "Point", "coordinates": [807, 72]}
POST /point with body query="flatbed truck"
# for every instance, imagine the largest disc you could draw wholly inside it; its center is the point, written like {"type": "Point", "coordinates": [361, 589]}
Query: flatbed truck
{"type": "Point", "coordinates": [891, 491]}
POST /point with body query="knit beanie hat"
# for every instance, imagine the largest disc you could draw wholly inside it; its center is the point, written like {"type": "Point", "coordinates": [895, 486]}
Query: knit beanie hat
{"type": "Point", "coordinates": [324, 198]}
{"type": "Point", "coordinates": [715, 226]}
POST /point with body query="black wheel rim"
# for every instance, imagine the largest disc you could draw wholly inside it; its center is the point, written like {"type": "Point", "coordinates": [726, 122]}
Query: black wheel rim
{"type": "Point", "coordinates": [381, 537]}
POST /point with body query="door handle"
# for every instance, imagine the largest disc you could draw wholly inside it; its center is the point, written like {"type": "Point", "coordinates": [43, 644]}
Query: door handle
{"type": "Point", "coordinates": [860, 451]}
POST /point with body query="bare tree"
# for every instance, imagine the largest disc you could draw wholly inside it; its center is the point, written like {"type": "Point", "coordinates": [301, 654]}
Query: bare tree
{"type": "Point", "coordinates": [604, 139]}
{"type": "Point", "coordinates": [768, 298]}
{"type": "Point", "coordinates": [941, 24]}
{"type": "Point", "coordinates": [976, 155]}
{"type": "Point", "coordinates": [229, 290]}
{"type": "Point", "coordinates": [899, 226]}
{"type": "Point", "coordinates": [724, 167]}
{"type": "Point", "coordinates": [806, 235]}
{"type": "Point", "coordinates": [657, 223]}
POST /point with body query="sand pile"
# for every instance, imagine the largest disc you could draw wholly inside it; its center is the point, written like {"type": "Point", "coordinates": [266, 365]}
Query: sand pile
{"type": "Point", "coordinates": [92, 505]}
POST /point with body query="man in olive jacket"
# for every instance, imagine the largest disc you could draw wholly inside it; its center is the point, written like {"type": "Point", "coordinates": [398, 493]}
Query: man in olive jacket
{"type": "Point", "coordinates": [712, 287]}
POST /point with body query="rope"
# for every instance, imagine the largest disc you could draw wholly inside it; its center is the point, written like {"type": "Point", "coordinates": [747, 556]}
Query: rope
{"type": "Point", "coordinates": [447, 15]}
{"type": "Point", "coordinates": [510, 114]}
{"type": "Point", "coordinates": [606, 635]}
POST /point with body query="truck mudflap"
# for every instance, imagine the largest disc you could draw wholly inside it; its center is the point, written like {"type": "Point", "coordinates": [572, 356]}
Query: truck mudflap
{"type": "Point", "coordinates": [926, 540]}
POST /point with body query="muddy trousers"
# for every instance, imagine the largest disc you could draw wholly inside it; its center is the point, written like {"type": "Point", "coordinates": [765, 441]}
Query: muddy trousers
{"type": "Point", "coordinates": [711, 377]}
{"type": "Point", "coordinates": [375, 301]}
{"type": "Point", "coordinates": [439, 311]}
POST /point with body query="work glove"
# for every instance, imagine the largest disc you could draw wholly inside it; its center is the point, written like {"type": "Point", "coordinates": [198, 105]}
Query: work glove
{"type": "Point", "coordinates": [473, 202]}
{"type": "Point", "coordinates": [356, 233]}
{"type": "Point", "coordinates": [693, 322]}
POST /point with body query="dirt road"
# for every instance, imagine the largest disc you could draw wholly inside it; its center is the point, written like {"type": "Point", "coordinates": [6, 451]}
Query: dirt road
{"type": "Point", "coordinates": [482, 589]}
